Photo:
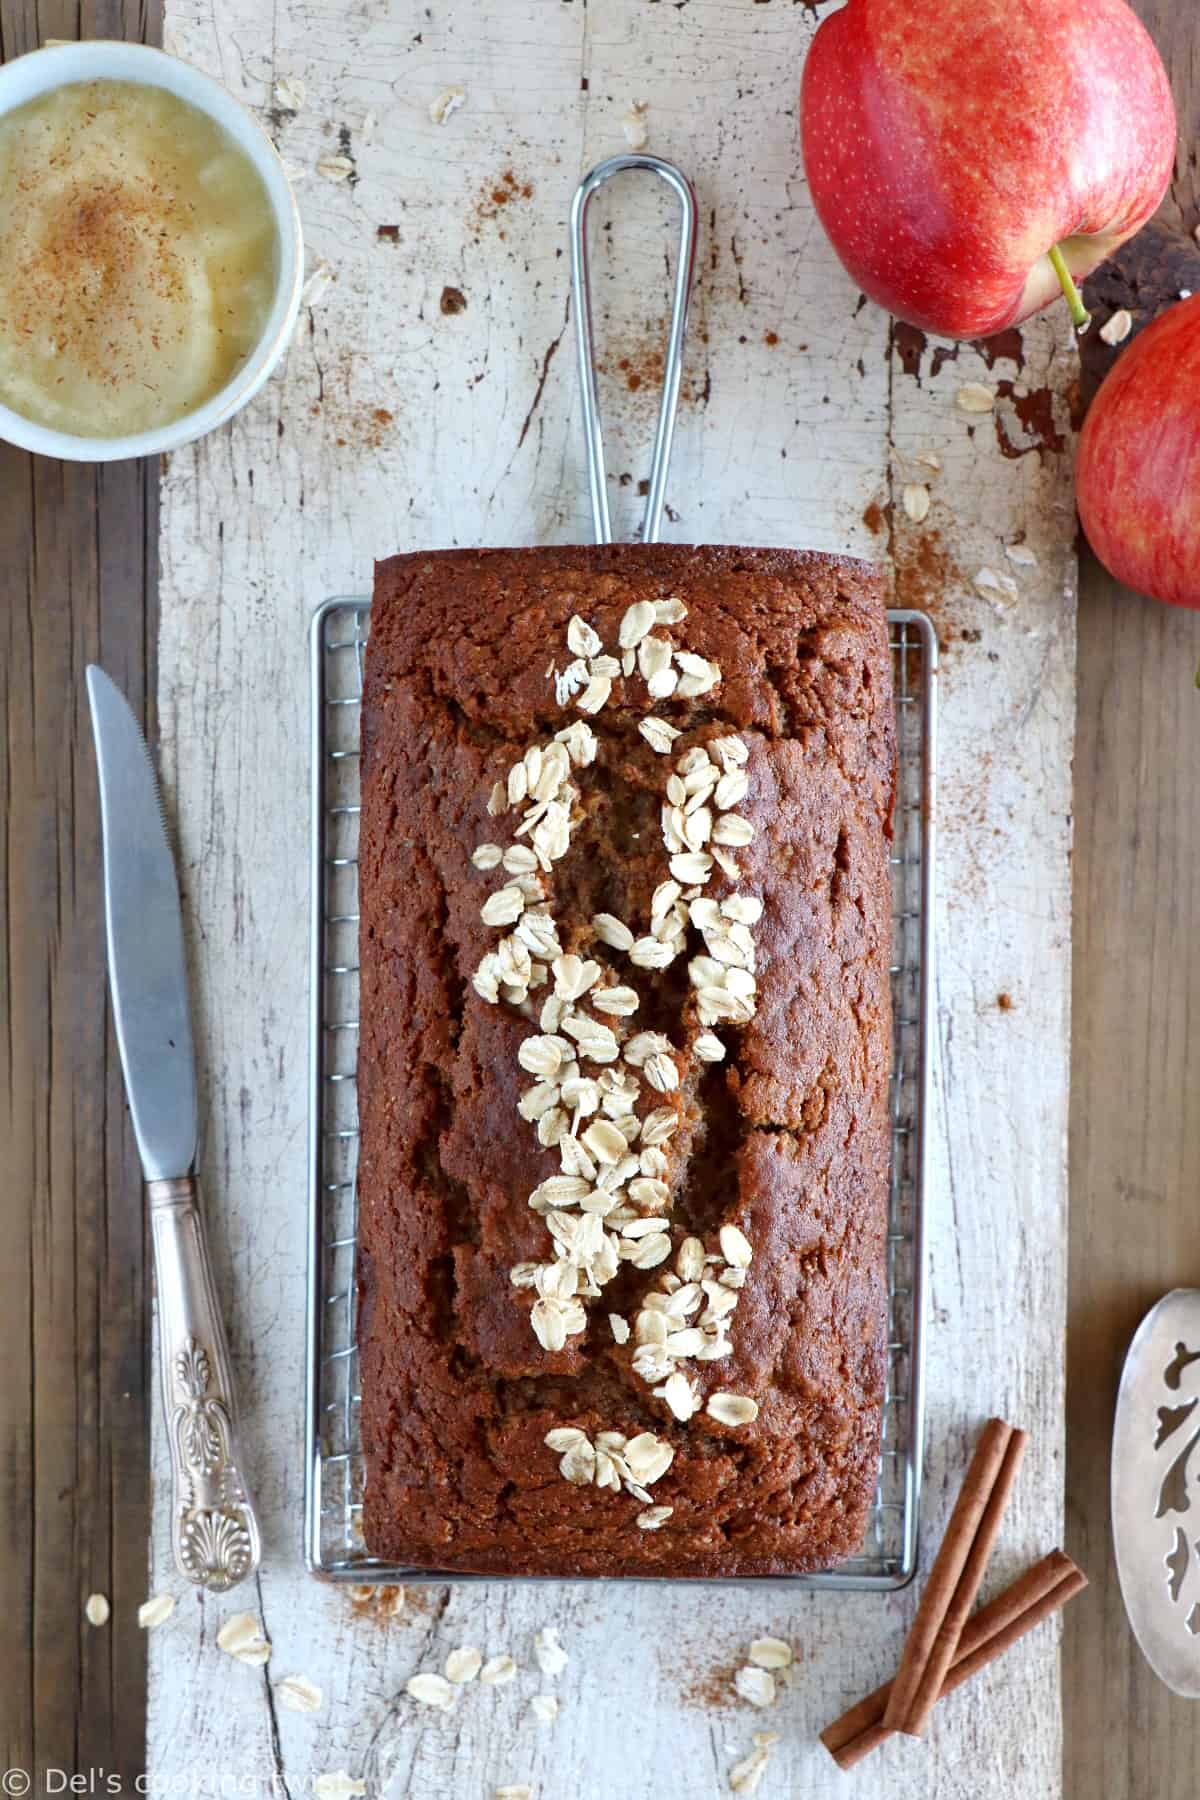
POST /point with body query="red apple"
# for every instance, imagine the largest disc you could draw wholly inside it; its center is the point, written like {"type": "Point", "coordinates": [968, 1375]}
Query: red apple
{"type": "Point", "coordinates": [953, 146]}
{"type": "Point", "coordinates": [1138, 475]}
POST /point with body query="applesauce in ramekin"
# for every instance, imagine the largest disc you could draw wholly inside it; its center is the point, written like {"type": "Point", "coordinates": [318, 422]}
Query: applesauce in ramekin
{"type": "Point", "coordinates": [139, 258]}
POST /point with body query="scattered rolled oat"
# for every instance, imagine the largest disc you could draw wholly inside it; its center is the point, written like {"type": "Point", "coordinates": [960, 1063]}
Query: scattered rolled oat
{"type": "Point", "coordinates": [996, 587]}
{"type": "Point", "coordinates": [241, 1637]}
{"type": "Point", "coordinates": [770, 1653]}
{"type": "Point", "coordinates": [582, 638]}
{"type": "Point", "coordinates": [659, 1126]}
{"type": "Point", "coordinates": [551, 1657]}
{"type": "Point", "coordinates": [155, 1611]}
{"type": "Point", "coordinates": [1117, 329]}
{"type": "Point", "coordinates": [554, 1321]}
{"type": "Point", "coordinates": [619, 1328]}
{"type": "Point", "coordinates": [732, 1409]}
{"type": "Point", "coordinates": [543, 1709]}
{"type": "Point", "coordinates": [731, 828]}
{"type": "Point", "coordinates": [335, 167]}
{"type": "Point", "coordinates": [620, 1001]}
{"type": "Point", "coordinates": [429, 1689]}
{"type": "Point", "coordinates": [745, 1776]}
{"type": "Point", "coordinates": [290, 93]}
{"type": "Point", "coordinates": [638, 622]}
{"type": "Point", "coordinates": [612, 932]}
{"type": "Point", "coordinates": [649, 1457]}
{"type": "Point", "coordinates": [96, 1609]}
{"type": "Point", "coordinates": [662, 1074]}
{"type": "Point", "coordinates": [338, 1786]}
{"type": "Point", "coordinates": [755, 1685]}
{"type": "Point", "coordinates": [651, 952]}
{"type": "Point", "coordinates": [658, 734]}
{"type": "Point", "coordinates": [691, 867]}
{"type": "Point", "coordinates": [596, 694]}
{"type": "Point", "coordinates": [973, 397]}
{"type": "Point", "coordinates": [447, 102]}
{"type": "Point", "coordinates": [299, 1694]}
{"type": "Point", "coordinates": [654, 1518]}
{"type": "Point", "coordinates": [487, 856]}
{"type": "Point", "coordinates": [915, 497]}
{"type": "Point", "coordinates": [696, 675]}
{"type": "Point", "coordinates": [653, 657]}
{"type": "Point", "coordinates": [313, 291]}
{"type": "Point", "coordinates": [568, 683]}
{"type": "Point", "coordinates": [689, 1260]}
{"type": "Point", "coordinates": [463, 1665]}
{"type": "Point", "coordinates": [605, 1142]}
{"type": "Point", "coordinates": [1022, 555]}
{"type": "Point", "coordinates": [497, 1670]}
{"type": "Point", "coordinates": [504, 907]}
{"type": "Point", "coordinates": [677, 1390]}
{"type": "Point", "coordinates": [634, 126]}
{"type": "Point", "coordinates": [735, 1246]}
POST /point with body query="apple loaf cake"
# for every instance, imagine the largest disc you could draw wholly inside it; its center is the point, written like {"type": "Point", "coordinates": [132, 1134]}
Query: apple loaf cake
{"type": "Point", "coordinates": [624, 1057]}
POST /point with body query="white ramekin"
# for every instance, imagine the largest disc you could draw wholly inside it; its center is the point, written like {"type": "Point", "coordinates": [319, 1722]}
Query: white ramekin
{"type": "Point", "coordinates": [102, 60]}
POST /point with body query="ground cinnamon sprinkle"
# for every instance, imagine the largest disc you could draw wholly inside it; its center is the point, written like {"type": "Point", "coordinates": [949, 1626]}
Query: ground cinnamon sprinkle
{"type": "Point", "coordinates": [100, 247]}
{"type": "Point", "coordinates": [497, 195]}
{"type": "Point", "coordinates": [711, 1688]}
{"type": "Point", "coordinates": [634, 359]}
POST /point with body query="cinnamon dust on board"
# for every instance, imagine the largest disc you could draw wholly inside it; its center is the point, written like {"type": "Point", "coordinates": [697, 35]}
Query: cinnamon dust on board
{"type": "Point", "coordinates": [495, 198]}
{"type": "Point", "coordinates": [634, 361]}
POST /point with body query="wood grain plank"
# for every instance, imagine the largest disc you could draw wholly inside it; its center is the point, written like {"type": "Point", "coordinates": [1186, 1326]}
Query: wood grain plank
{"type": "Point", "coordinates": [1135, 1124]}
{"type": "Point", "coordinates": [77, 566]}
{"type": "Point", "coordinates": [1135, 1134]}
{"type": "Point", "coordinates": [397, 423]}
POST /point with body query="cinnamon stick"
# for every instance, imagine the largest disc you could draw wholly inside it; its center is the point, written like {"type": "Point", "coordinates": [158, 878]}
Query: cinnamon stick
{"type": "Point", "coordinates": [1053, 1602]}
{"type": "Point", "coordinates": [940, 1590]}
{"type": "Point", "coordinates": [945, 1644]}
{"type": "Point", "coordinates": [1034, 1596]}
{"type": "Point", "coordinates": [996, 1616]}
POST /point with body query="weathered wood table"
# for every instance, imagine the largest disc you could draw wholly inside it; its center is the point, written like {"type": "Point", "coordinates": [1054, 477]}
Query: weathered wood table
{"type": "Point", "coordinates": [429, 398]}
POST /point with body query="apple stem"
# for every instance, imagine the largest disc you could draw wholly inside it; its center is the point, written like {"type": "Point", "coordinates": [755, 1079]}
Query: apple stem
{"type": "Point", "coordinates": [1081, 318]}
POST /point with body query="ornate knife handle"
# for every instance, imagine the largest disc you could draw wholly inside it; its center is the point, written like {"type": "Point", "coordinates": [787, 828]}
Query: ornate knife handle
{"type": "Point", "coordinates": [214, 1530]}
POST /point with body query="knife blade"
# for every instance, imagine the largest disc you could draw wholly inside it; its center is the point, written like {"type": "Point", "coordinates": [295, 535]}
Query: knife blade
{"type": "Point", "coordinates": [214, 1529]}
{"type": "Point", "coordinates": [146, 966]}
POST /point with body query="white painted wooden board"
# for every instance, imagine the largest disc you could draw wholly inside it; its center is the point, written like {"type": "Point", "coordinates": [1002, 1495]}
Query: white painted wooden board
{"type": "Point", "coordinates": [395, 425]}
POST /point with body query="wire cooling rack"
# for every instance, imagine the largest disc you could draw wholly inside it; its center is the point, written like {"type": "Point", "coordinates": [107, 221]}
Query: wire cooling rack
{"type": "Point", "coordinates": [334, 1462]}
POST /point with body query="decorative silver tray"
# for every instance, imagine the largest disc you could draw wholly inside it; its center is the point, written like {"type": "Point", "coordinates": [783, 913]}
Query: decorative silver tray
{"type": "Point", "coordinates": [333, 1451]}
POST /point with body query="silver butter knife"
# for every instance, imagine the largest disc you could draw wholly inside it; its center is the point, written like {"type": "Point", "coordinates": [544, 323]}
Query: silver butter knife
{"type": "Point", "coordinates": [214, 1531]}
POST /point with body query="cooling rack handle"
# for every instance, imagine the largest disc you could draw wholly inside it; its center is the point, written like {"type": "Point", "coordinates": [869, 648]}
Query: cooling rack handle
{"type": "Point", "coordinates": [581, 294]}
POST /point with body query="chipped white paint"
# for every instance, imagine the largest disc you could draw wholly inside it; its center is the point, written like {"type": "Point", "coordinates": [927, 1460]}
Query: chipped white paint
{"type": "Point", "coordinates": [402, 418]}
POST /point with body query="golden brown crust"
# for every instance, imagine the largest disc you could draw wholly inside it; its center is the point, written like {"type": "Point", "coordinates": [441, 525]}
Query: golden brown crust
{"type": "Point", "coordinates": [788, 1138]}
